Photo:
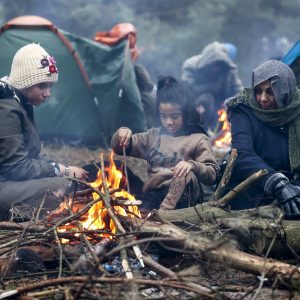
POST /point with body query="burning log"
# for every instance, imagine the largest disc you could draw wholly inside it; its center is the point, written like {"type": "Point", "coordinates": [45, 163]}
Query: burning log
{"type": "Point", "coordinates": [89, 192]}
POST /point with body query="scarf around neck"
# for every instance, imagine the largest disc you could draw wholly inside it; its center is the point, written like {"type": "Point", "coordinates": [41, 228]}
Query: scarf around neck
{"type": "Point", "coordinates": [288, 115]}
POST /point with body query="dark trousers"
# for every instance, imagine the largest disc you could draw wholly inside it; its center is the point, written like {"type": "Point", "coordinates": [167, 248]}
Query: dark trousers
{"type": "Point", "coordinates": [23, 197]}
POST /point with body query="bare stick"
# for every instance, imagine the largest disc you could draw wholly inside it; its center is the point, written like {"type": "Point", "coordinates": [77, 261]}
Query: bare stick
{"type": "Point", "coordinates": [226, 176]}
{"type": "Point", "coordinates": [159, 268]}
{"type": "Point", "coordinates": [81, 279]}
{"type": "Point", "coordinates": [123, 252]}
{"type": "Point", "coordinates": [136, 248]}
{"type": "Point", "coordinates": [106, 200]}
{"type": "Point", "coordinates": [40, 207]}
{"type": "Point", "coordinates": [239, 188]}
{"type": "Point", "coordinates": [60, 252]}
{"type": "Point", "coordinates": [121, 202]}
{"type": "Point", "coordinates": [125, 169]}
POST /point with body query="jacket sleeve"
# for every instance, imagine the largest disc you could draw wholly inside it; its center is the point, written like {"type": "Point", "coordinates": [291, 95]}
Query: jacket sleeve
{"type": "Point", "coordinates": [139, 144]}
{"type": "Point", "coordinates": [205, 165]}
{"type": "Point", "coordinates": [15, 161]}
{"type": "Point", "coordinates": [247, 161]}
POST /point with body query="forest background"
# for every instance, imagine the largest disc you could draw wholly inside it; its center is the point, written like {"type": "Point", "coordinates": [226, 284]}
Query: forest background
{"type": "Point", "coordinates": [169, 31]}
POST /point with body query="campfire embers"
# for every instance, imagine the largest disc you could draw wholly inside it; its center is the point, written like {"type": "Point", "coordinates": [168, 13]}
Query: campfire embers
{"type": "Point", "coordinates": [97, 217]}
{"type": "Point", "coordinates": [222, 138]}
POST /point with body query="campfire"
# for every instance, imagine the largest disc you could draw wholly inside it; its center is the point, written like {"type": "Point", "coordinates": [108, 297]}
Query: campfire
{"type": "Point", "coordinates": [223, 137]}
{"type": "Point", "coordinates": [97, 217]}
{"type": "Point", "coordinates": [109, 268]}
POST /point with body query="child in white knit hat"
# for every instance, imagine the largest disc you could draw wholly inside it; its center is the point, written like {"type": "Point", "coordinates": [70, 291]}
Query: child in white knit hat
{"type": "Point", "coordinates": [25, 179]}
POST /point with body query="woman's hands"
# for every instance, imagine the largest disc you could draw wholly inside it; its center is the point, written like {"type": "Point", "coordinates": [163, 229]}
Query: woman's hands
{"type": "Point", "coordinates": [125, 135]}
{"type": "Point", "coordinates": [182, 169]}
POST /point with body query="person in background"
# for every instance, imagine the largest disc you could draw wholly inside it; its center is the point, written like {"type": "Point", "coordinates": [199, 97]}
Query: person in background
{"type": "Point", "coordinates": [27, 180]}
{"type": "Point", "coordinates": [265, 124]}
{"type": "Point", "coordinates": [178, 153]}
{"type": "Point", "coordinates": [212, 77]}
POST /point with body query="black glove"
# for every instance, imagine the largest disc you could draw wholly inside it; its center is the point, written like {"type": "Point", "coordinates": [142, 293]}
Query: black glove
{"type": "Point", "coordinates": [287, 195]}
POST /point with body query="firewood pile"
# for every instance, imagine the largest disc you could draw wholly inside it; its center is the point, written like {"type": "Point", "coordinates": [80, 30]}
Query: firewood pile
{"type": "Point", "coordinates": [201, 252]}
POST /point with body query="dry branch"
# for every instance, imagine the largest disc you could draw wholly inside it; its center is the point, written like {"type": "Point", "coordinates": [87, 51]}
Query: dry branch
{"type": "Point", "coordinates": [254, 228]}
{"type": "Point", "coordinates": [226, 176]}
{"type": "Point", "coordinates": [240, 188]}
{"type": "Point", "coordinates": [30, 227]}
{"type": "Point", "coordinates": [80, 279]}
{"type": "Point", "coordinates": [222, 253]}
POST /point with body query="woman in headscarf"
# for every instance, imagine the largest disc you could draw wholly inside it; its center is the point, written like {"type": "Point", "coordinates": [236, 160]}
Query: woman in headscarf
{"type": "Point", "coordinates": [265, 124]}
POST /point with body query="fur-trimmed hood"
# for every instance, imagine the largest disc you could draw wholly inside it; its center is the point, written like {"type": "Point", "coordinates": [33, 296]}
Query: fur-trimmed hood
{"type": "Point", "coordinates": [6, 90]}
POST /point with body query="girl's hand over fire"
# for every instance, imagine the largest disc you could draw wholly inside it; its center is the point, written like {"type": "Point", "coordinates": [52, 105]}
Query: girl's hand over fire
{"type": "Point", "coordinates": [182, 169]}
{"type": "Point", "coordinates": [125, 135]}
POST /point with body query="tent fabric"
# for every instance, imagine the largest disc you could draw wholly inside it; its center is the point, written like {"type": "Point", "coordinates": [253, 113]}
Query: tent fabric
{"type": "Point", "coordinates": [292, 58]}
{"type": "Point", "coordinates": [117, 34]}
{"type": "Point", "coordinates": [96, 92]}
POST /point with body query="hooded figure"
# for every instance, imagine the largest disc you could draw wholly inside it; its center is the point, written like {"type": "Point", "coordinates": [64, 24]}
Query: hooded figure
{"type": "Point", "coordinates": [265, 125]}
{"type": "Point", "coordinates": [212, 77]}
{"type": "Point", "coordinates": [28, 182]}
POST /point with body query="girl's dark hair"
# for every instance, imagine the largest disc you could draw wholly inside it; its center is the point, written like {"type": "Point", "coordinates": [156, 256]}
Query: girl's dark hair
{"type": "Point", "coordinates": [169, 90]}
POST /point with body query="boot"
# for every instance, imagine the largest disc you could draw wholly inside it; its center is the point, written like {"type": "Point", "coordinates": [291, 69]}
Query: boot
{"type": "Point", "coordinates": [178, 187]}
{"type": "Point", "coordinates": [174, 194]}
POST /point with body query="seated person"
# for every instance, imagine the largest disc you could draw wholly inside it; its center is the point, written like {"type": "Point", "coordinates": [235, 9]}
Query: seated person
{"type": "Point", "coordinates": [178, 153]}
{"type": "Point", "coordinates": [265, 124]}
{"type": "Point", "coordinates": [27, 180]}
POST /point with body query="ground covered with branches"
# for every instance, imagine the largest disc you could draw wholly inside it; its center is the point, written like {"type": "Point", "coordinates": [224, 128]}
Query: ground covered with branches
{"type": "Point", "coordinates": [201, 253]}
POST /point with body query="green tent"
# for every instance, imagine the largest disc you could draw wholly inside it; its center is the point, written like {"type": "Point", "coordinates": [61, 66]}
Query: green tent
{"type": "Point", "coordinates": [96, 92]}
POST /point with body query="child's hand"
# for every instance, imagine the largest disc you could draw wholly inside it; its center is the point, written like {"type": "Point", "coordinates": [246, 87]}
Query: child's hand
{"type": "Point", "coordinates": [182, 169]}
{"type": "Point", "coordinates": [124, 136]}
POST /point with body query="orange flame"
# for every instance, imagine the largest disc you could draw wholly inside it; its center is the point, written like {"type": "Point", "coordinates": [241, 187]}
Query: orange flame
{"type": "Point", "coordinates": [98, 216]}
{"type": "Point", "coordinates": [224, 138]}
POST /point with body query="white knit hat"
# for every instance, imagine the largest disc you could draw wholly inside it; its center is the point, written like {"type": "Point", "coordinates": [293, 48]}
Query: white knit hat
{"type": "Point", "coordinates": [32, 65]}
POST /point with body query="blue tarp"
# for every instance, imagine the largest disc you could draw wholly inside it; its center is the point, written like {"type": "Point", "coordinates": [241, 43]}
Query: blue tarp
{"type": "Point", "coordinates": [292, 54]}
